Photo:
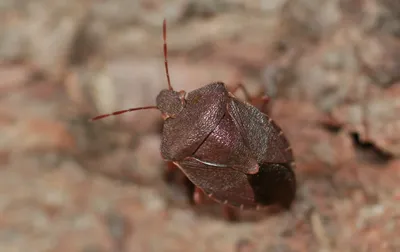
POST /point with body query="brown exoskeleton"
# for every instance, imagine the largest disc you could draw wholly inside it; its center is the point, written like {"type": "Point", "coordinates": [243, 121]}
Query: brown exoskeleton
{"type": "Point", "coordinates": [227, 148]}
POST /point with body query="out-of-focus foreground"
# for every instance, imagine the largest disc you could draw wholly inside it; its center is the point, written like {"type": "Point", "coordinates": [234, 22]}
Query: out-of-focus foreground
{"type": "Point", "coordinates": [332, 68]}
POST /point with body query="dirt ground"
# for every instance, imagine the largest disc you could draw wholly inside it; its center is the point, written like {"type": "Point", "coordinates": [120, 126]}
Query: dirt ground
{"type": "Point", "coordinates": [331, 68]}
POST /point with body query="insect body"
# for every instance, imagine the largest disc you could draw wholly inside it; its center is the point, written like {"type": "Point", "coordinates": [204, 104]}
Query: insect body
{"type": "Point", "coordinates": [228, 148]}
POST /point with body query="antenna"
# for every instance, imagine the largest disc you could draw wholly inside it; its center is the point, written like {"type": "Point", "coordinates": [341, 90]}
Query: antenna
{"type": "Point", "coordinates": [166, 53]}
{"type": "Point", "coordinates": [121, 112]}
{"type": "Point", "coordinates": [166, 72]}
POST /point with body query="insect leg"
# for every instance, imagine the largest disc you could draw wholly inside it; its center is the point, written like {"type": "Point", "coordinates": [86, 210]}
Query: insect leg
{"type": "Point", "coordinates": [198, 196]}
{"type": "Point", "coordinates": [260, 101]}
{"type": "Point", "coordinates": [172, 173]}
{"type": "Point", "coordinates": [171, 167]}
{"type": "Point", "coordinates": [243, 88]}
{"type": "Point", "coordinates": [230, 213]}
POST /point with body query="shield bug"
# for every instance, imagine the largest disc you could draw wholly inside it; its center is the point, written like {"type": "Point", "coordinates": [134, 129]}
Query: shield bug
{"type": "Point", "coordinates": [228, 148]}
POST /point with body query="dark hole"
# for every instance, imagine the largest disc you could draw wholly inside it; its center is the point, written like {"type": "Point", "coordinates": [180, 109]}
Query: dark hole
{"type": "Point", "coordinates": [369, 152]}
{"type": "Point", "coordinates": [189, 190]}
{"type": "Point", "coordinates": [332, 128]}
{"type": "Point", "coordinates": [282, 46]}
{"type": "Point", "coordinates": [83, 46]}
{"type": "Point", "coordinates": [274, 184]}
{"type": "Point", "coordinates": [177, 178]}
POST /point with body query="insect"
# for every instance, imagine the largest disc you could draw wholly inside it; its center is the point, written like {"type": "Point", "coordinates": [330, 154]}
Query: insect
{"type": "Point", "coordinates": [226, 147]}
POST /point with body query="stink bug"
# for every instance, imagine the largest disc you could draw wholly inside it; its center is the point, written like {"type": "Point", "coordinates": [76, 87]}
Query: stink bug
{"type": "Point", "coordinates": [228, 148]}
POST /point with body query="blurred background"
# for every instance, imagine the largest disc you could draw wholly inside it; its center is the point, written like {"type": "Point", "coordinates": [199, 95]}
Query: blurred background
{"type": "Point", "coordinates": [332, 68]}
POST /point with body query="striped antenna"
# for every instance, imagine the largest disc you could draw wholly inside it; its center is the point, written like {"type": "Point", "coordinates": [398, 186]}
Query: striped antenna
{"type": "Point", "coordinates": [166, 54]}
{"type": "Point", "coordinates": [166, 72]}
